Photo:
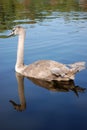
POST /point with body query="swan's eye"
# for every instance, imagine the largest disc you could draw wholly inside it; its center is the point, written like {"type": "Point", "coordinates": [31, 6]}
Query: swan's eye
{"type": "Point", "coordinates": [13, 29]}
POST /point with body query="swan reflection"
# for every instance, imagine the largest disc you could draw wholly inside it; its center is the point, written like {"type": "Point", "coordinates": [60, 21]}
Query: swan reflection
{"type": "Point", "coordinates": [50, 85]}
{"type": "Point", "coordinates": [22, 105]}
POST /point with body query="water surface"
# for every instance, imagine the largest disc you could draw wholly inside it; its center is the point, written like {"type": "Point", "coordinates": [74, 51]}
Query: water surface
{"type": "Point", "coordinates": [56, 30]}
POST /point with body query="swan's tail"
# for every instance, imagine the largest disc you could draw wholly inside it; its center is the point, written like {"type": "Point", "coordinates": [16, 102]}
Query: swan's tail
{"type": "Point", "coordinates": [78, 66]}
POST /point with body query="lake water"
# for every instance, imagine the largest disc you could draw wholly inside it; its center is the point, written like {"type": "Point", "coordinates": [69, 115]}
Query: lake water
{"type": "Point", "coordinates": [56, 30]}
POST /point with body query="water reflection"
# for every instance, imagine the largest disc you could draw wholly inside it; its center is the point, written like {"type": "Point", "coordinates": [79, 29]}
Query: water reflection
{"type": "Point", "coordinates": [22, 105]}
{"type": "Point", "coordinates": [83, 4]}
{"type": "Point", "coordinates": [50, 85]}
{"type": "Point", "coordinates": [13, 12]}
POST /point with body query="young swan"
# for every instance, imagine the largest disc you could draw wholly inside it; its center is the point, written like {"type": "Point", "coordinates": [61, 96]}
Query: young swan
{"type": "Point", "coordinates": [43, 69]}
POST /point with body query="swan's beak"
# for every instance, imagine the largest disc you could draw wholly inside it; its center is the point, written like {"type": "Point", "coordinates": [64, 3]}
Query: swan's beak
{"type": "Point", "coordinates": [11, 34]}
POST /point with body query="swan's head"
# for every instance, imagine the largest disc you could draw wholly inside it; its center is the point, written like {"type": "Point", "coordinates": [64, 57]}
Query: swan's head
{"type": "Point", "coordinates": [17, 31]}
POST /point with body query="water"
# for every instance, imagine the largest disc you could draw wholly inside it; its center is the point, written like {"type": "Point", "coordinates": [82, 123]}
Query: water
{"type": "Point", "coordinates": [56, 30]}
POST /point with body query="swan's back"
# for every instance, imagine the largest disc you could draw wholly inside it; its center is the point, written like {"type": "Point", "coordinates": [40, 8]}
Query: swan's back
{"type": "Point", "coordinates": [45, 69]}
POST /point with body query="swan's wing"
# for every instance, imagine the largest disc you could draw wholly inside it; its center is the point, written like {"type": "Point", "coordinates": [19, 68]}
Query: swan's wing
{"type": "Point", "coordinates": [58, 72]}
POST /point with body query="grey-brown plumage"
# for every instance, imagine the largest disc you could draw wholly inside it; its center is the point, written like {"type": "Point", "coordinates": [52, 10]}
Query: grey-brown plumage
{"type": "Point", "coordinates": [52, 70]}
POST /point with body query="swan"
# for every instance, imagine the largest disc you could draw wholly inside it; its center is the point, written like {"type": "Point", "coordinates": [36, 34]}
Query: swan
{"type": "Point", "coordinates": [43, 69]}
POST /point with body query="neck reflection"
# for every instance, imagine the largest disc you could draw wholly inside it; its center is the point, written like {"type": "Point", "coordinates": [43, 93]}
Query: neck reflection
{"type": "Point", "coordinates": [22, 105]}
{"type": "Point", "coordinates": [50, 85]}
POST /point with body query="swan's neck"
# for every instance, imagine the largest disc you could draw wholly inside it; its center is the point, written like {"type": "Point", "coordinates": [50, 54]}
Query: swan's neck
{"type": "Point", "coordinates": [20, 52]}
